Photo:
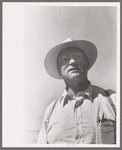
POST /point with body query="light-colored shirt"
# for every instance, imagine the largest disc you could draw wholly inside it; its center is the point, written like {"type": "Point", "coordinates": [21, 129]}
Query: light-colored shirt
{"type": "Point", "coordinates": [65, 123]}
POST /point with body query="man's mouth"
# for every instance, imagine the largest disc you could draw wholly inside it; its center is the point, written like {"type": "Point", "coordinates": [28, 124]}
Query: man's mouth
{"type": "Point", "coordinates": [75, 69]}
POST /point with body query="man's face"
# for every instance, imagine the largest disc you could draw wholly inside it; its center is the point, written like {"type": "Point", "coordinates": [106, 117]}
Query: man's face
{"type": "Point", "coordinates": [72, 63]}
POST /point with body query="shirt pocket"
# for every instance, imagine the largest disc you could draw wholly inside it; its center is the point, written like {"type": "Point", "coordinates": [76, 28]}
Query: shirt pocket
{"type": "Point", "coordinates": [108, 131]}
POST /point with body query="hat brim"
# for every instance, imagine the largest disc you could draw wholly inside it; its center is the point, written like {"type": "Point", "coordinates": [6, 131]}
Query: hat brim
{"type": "Point", "coordinates": [50, 61]}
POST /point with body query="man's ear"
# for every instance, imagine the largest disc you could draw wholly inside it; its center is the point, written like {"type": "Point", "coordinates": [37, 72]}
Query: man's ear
{"type": "Point", "coordinates": [59, 70]}
{"type": "Point", "coordinates": [87, 66]}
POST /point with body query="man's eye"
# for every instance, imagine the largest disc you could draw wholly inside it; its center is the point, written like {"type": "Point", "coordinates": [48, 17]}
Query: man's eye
{"type": "Point", "coordinates": [65, 61]}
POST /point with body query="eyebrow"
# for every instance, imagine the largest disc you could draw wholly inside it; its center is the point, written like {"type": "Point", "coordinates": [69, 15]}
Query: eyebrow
{"type": "Point", "coordinates": [64, 57]}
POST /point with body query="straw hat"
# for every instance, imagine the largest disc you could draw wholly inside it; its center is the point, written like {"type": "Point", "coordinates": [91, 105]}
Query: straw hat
{"type": "Point", "coordinates": [50, 61]}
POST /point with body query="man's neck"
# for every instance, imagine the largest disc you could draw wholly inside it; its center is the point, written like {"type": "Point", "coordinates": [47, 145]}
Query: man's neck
{"type": "Point", "coordinates": [74, 88]}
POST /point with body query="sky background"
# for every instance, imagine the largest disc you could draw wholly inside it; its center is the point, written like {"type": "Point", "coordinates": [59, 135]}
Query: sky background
{"type": "Point", "coordinates": [44, 28]}
{"type": "Point", "coordinates": [39, 28]}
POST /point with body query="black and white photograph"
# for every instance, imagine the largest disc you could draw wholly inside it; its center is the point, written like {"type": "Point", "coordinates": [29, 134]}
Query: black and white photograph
{"type": "Point", "coordinates": [61, 74]}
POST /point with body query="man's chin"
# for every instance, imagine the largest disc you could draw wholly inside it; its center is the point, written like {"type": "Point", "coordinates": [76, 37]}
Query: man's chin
{"type": "Point", "coordinates": [74, 75]}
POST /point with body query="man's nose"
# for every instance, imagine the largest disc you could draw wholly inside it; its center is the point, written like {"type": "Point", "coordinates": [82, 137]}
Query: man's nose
{"type": "Point", "coordinates": [72, 61]}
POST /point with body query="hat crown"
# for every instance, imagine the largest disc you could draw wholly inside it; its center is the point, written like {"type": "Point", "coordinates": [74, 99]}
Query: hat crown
{"type": "Point", "coordinates": [68, 40]}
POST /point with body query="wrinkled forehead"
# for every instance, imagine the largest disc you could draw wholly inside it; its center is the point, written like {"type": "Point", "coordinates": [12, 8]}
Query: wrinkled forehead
{"type": "Point", "coordinates": [71, 51]}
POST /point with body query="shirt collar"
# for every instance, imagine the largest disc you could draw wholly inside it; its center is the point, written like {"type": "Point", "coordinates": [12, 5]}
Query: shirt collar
{"type": "Point", "coordinates": [88, 91]}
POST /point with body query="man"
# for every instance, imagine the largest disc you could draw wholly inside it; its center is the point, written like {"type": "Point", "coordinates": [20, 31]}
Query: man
{"type": "Point", "coordinates": [84, 114]}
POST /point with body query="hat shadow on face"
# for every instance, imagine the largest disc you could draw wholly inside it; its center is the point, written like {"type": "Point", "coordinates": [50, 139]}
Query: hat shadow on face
{"type": "Point", "coordinates": [72, 58]}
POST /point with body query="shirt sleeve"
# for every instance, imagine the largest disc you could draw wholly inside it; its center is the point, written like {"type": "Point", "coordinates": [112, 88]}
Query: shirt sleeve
{"type": "Point", "coordinates": [107, 108]}
{"type": "Point", "coordinates": [114, 98]}
{"type": "Point", "coordinates": [42, 138]}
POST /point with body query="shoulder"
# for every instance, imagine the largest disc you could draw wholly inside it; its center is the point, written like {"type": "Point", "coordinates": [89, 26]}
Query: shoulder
{"type": "Point", "coordinates": [103, 94]}
{"type": "Point", "coordinates": [98, 90]}
{"type": "Point", "coordinates": [51, 106]}
{"type": "Point", "coordinates": [49, 110]}
{"type": "Point", "coordinates": [111, 91]}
